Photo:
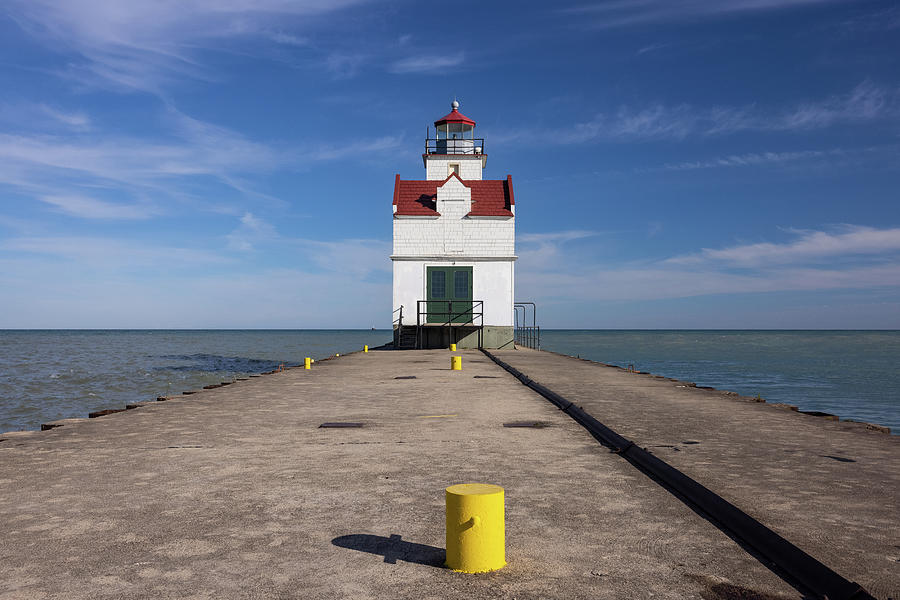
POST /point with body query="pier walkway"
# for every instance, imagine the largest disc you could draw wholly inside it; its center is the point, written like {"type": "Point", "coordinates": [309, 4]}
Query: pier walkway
{"type": "Point", "coordinates": [237, 492]}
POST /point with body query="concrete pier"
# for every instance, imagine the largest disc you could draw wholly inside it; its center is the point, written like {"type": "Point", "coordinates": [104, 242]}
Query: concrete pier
{"type": "Point", "coordinates": [237, 492]}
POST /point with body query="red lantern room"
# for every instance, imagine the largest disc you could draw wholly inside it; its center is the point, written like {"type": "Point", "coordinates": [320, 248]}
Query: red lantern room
{"type": "Point", "coordinates": [454, 133]}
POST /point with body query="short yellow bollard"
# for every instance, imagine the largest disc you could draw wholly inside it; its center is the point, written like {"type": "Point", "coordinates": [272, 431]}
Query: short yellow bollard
{"type": "Point", "coordinates": [476, 529]}
{"type": "Point", "coordinates": [456, 363]}
{"type": "Point", "coordinates": [452, 347]}
{"type": "Point", "coordinates": [307, 364]}
{"type": "Point", "coordinates": [365, 348]}
{"type": "Point", "coordinates": [337, 355]}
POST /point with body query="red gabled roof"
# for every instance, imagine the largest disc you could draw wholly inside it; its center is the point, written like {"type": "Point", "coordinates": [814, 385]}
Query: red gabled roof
{"type": "Point", "coordinates": [415, 198]}
{"type": "Point", "coordinates": [490, 198]}
{"type": "Point", "coordinates": [454, 116]}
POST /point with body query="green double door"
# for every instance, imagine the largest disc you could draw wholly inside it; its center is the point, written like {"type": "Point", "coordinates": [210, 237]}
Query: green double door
{"type": "Point", "coordinates": [449, 294]}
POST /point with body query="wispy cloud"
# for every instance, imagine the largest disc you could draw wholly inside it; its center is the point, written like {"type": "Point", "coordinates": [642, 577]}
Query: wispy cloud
{"type": "Point", "coordinates": [543, 250]}
{"type": "Point", "coordinates": [351, 257]}
{"type": "Point", "coordinates": [554, 237]}
{"type": "Point", "coordinates": [434, 63]}
{"type": "Point", "coordinates": [624, 13]}
{"type": "Point", "coordinates": [879, 20]}
{"type": "Point", "coordinates": [90, 208]}
{"type": "Point", "coordinates": [146, 45]}
{"type": "Point", "coordinates": [650, 48]}
{"type": "Point", "coordinates": [193, 147]}
{"type": "Point", "coordinates": [865, 103]}
{"type": "Point", "coordinates": [75, 120]}
{"type": "Point", "coordinates": [84, 281]}
{"type": "Point", "coordinates": [250, 232]}
{"type": "Point", "coordinates": [43, 117]}
{"type": "Point", "coordinates": [107, 254]}
{"type": "Point", "coordinates": [750, 159]}
{"type": "Point", "coordinates": [360, 258]}
{"type": "Point", "coordinates": [810, 246]}
{"type": "Point", "coordinates": [847, 257]}
{"type": "Point", "coordinates": [66, 170]}
{"type": "Point", "coordinates": [287, 39]}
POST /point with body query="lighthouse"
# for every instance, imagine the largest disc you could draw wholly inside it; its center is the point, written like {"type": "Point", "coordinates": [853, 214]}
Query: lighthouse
{"type": "Point", "coordinates": [453, 246]}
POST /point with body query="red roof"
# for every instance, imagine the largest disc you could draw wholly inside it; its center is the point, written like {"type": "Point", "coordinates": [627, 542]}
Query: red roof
{"type": "Point", "coordinates": [454, 116]}
{"type": "Point", "coordinates": [490, 198]}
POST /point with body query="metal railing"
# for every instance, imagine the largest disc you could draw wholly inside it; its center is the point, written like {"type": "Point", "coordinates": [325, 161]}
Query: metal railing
{"type": "Point", "coordinates": [397, 325]}
{"type": "Point", "coordinates": [525, 334]}
{"type": "Point", "coordinates": [454, 146]}
{"type": "Point", "coordinates": [460, 318]}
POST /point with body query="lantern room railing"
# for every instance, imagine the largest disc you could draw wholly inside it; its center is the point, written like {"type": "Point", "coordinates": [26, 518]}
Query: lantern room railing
{"type": "Point", "coordinates": [454, 146]}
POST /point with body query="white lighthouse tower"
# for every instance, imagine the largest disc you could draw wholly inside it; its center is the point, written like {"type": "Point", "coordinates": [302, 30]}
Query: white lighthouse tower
{"type": "Point", "coordinates": [454, 246]}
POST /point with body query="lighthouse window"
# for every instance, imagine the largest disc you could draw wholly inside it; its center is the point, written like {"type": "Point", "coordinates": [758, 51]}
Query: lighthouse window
{"type": "Point", "coordinates": [461, 284]}
{"type": "Point", "coordinates": [438, 284]}
{"type": "Point", "coordinates": [454, 168]}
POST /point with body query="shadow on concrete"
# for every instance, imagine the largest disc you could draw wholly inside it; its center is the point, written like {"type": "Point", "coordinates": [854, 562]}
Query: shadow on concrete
{"type": "Point", "coordinates": [393, 548]}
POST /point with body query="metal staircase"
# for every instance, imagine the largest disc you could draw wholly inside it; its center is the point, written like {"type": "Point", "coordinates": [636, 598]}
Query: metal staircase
{"type": "Point", "coordinates": [405, 336]}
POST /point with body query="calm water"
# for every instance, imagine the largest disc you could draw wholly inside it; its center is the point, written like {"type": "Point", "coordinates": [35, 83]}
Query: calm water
{"type": "Point", "coordinates": [48, 375]}
{"type": "Point", "coordinates": [854, 374]}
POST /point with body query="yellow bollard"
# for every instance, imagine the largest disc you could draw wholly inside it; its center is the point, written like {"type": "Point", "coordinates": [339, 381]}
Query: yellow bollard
{"type": "Point", "coordinates": [307, 364]}
{"type": "Point", "coordinates": [476, 531]}
{"type": "Point", "coordinates": [452, 347]}
{"type": "Point", "coordinates": [456, 363]}
{"type": "Point", "coordinates": [337, 355]}
{"type": "Point", "coordinates": [365, 348]}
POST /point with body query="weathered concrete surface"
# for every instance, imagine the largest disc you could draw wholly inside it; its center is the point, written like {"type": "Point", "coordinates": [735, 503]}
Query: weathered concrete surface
{"type": "Point", "coordinates": [833, 489]}
{"type": "Point", "coordinates": [236, 493]}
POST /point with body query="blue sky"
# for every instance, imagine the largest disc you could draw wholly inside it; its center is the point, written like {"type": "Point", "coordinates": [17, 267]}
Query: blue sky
{"type": "Point", "coordinates": [230, 163]}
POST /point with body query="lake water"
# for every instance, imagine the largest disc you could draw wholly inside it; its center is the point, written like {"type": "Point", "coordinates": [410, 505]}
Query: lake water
{"type": "Point", "coordinates": [48, 375]}
{"type": "Point", "coordinates": [853, 374]}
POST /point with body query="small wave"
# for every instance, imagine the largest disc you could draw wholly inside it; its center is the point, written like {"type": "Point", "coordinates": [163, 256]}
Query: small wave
{"type": "Point", "coordinates": [217, 363]}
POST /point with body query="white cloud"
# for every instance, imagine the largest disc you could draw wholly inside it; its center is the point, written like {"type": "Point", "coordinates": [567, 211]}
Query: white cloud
{"type": "Point", "coordinates": [343, 65]}
{"type": "Point", "coordinates": [866, 102]}
{"type": "Point", "coordinates": [36, 116]}
{"type": "Point", "coordinates": [59, 168]}
{"type": "Point", "coordinates": [849, 241]}
{"type": "Point", "coordinates": [650, 48]}
{"type": "Point", "coordinates": [750, 159]}
{"type": "Point", "coordinates": [287, 39]}
{"type": "Point", "coordinates": [91, 208]}
{"type": "Point", "coordinates": [82, 281]}
{"type": "Point", "coordinates": [144, 45]}
{"type": "Point", "coordinates": [879, 20]}
{"type": "Point", "coordinates": [624, 13]}
{"type": "Point", "coordinates": [251, 231]}
{"type": "Point", "coordinates": [543, 250]}
{"type": "Point", "coordinates": [42, 295]}
{"type": "Point", "coordinates": [849, 258]}
{"type": "Point", "coordinates": [553, 237]}
{"type": "Point", "coordinates": [356, 257]}
{"type": "Point", "coordinates": [435, 63]}
{"type": "Point", "coordinates": [105, 254]}
{"type": "Point", "coordinates": [197, 149]}
{"type": "Point", "coordinates": [75, 120]}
